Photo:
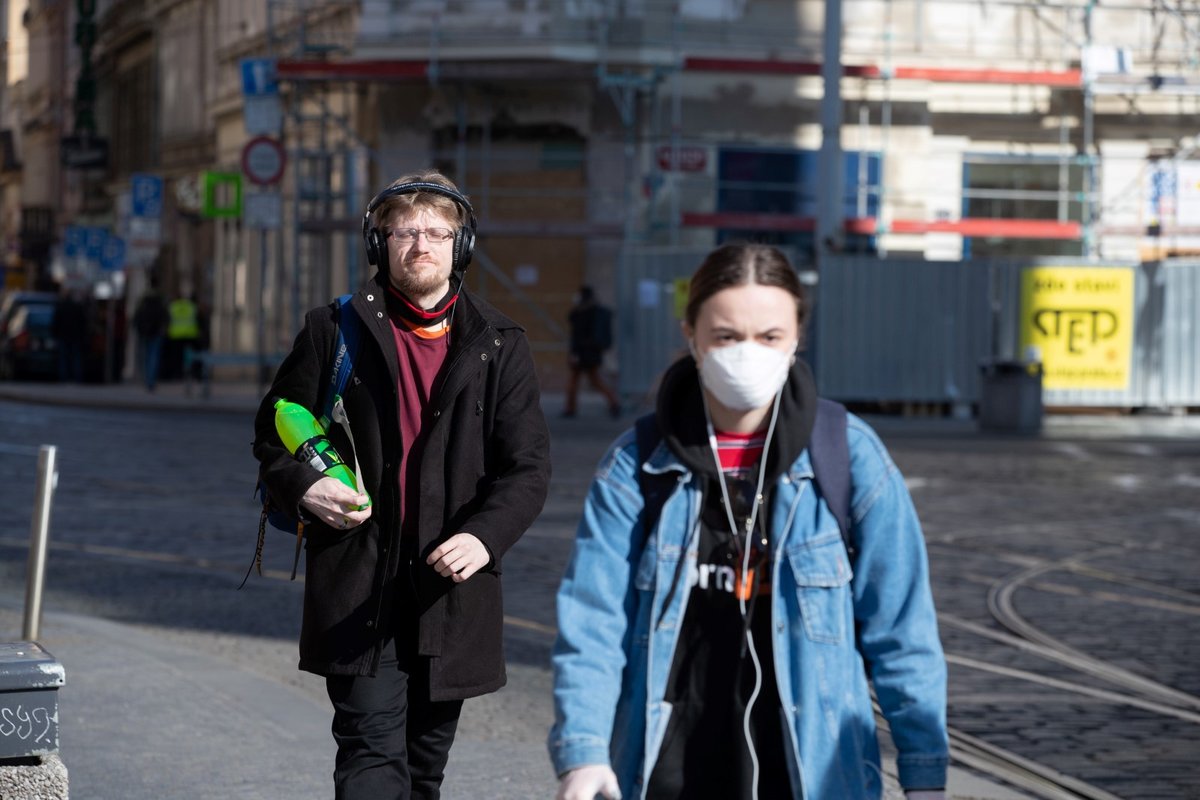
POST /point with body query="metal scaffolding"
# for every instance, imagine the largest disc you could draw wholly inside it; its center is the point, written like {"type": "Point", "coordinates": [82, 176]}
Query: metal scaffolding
{"type": "Point", "coordinates": [643, 55]}
{"type": "Point", "coordinates": [325, 154]}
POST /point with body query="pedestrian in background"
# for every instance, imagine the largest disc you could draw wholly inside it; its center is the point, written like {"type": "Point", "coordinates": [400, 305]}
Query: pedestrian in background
{"type": "Point", "coordinates": [726, 652]}
{"type": "Point", "coordinates": [70, 332]}
{"type": "Point", "coordinates": [150, 321]}
{"type": "Point", "coordinates": [402, 601]}
{"type": "Point", "coordinates": [182, 332]}
{"type": "Point", "coordinates": [591, 336]}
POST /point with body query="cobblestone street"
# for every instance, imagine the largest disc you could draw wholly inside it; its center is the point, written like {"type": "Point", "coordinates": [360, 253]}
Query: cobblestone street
{"type": "Point", "coordinates": [1064, 571]}
{"type": "Point", "coordinates": [1086, 548]}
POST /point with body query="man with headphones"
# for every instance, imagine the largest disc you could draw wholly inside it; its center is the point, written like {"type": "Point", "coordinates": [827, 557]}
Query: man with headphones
{"type": "Point", "coordinates": [402, 601]}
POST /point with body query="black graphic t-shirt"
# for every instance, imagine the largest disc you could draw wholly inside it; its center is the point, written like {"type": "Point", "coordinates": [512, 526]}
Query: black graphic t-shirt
{"type": "Point", "coordinates": [704, 752]}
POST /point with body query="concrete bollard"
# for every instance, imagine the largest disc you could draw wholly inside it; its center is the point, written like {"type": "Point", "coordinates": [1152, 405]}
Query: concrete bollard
{"type": "Point", "coordinates": [30, 768]}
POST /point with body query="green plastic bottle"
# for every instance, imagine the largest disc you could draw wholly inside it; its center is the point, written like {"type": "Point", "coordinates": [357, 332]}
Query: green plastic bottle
{"type": "Point", "coordinates": [304, 438]}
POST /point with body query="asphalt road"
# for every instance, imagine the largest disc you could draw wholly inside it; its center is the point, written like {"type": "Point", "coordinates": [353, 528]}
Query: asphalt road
{"type": "Point", "coordinates": [1064, 569]}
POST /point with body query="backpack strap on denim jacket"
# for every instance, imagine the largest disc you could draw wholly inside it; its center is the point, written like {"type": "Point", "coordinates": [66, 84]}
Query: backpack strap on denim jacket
{"type": "Point", "coordinates": [828, 449]}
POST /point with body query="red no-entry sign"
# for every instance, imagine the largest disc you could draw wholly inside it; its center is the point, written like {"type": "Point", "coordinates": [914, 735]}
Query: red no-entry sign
{"type": "Point", "coordinates": [263, 160]}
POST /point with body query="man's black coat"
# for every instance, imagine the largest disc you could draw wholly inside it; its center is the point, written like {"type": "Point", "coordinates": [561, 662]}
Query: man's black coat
{"type": "Point", "coordinates": [485, 469]}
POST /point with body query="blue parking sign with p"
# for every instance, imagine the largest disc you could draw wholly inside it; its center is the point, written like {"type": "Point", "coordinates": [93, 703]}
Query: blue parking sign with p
{"type": "Point", "coordinates": [146, 195]}
{"type": "Point", "coordinates": [93, 242]}
{"type": "Point", "coordinates": [112, 255]}
{"type": "Point", "coordinates": [74, 240]}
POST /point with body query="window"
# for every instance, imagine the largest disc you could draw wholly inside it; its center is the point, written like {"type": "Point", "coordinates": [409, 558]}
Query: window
{"type": "Point", "coordinates": [784, 181]}
{"type": "Point", "coordinates": [1007, 187]}
{"type": "Point", "coordinates": [133, 138]}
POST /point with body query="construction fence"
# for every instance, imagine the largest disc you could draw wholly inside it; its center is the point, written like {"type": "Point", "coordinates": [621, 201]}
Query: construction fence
{"type": "Point", "coordinates": [1107, 334]}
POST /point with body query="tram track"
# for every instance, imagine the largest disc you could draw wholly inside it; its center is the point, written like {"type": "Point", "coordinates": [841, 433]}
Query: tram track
{"type": "Point", "coordinates": [1127, 688]}
{"type": "Point", "coordinates": [1000, 606]}
{"type": "Point", "coordinates": [1039, 780]}
{"type": "Point", "coordinates": [1022, 773]}
{"type": "Point", "coordinates": [1107, 696]}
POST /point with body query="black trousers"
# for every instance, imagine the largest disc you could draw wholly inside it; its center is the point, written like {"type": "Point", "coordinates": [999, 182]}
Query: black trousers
{"type": "Point", "coordinates": [393, 742]}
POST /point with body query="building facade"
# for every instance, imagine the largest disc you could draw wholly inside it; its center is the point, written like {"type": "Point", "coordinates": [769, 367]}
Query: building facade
{"type": "Point", "coordinates": [581, 127]}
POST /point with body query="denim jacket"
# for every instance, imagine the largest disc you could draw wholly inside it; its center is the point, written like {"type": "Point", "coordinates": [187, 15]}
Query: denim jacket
{"type": "Point", "coordinates": [835, 626]}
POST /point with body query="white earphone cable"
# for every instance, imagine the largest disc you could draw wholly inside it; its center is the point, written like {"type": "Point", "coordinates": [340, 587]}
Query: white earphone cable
{"type": "Point", "coordinates": [750, 520]}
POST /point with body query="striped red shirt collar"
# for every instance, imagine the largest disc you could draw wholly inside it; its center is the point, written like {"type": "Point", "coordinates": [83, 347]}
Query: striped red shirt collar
{"type": "Point", "coordinates": [739, 451]}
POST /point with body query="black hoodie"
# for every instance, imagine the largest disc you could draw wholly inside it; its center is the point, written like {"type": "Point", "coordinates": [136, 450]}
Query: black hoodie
{"type": "Point", "coordinates": [704, 751]}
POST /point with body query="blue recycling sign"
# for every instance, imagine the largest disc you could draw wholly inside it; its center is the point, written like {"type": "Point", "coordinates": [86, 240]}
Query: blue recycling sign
{"type": "Point", "coordinates": [146, 195]}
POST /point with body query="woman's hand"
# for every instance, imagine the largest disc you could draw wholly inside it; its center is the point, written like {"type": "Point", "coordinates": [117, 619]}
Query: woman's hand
{"type": "Point", "coordinates": [335, 503]}
{"type": "Point", "coordinates": [584, 783]}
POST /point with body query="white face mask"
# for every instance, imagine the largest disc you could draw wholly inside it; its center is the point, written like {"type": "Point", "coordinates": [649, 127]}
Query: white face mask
{"type": "Point", "coordinates": [746, 375]}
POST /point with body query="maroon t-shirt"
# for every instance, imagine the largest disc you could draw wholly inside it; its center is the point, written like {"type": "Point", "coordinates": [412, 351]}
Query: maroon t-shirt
{"type": "Point", "coordinates": [421, 355]}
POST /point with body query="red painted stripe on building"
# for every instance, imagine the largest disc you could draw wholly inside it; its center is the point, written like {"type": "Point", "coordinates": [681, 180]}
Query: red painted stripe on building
{"type": "Point", "coordinates": [994, 228]}
{"type": "Point", "coordinates": [936, 74]}
{"type": "Point", "coordinates": [399, 70]}
{"type": "Point", "coordinates": [351, 70]}
{"type": "Point", "coordinates": [974, 227]}
{"type": "Point", "coordinates": [1071, 77]}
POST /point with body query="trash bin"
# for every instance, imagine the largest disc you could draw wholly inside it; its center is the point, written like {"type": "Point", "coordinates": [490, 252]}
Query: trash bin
{"type": "Point", "coordinates": [29, 682]}
{"type": "Point", "coordinates": [1011, 396]}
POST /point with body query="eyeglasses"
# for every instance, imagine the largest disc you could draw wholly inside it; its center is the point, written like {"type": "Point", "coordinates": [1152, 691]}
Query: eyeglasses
{"type": "Point", "coordinates": [409, 235]}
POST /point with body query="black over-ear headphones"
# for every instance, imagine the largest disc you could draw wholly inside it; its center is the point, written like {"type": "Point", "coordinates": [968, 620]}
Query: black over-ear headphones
{"type": "Point", "coordinates": [464, 235]}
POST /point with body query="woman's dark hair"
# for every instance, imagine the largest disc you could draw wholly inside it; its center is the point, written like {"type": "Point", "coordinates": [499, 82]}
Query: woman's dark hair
{"type": "Point", "coordinates": [742, 263]}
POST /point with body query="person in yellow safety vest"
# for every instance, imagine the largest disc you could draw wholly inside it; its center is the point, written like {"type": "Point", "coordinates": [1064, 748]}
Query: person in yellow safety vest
{"type": "Point", "coordinates": [183, 330]}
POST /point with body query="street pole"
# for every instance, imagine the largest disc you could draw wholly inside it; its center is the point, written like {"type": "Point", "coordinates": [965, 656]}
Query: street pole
{"type": "Point", "coordinates": [830, 177]}
{"type": "Point", "coordinates": [1090, 244]}
{"type": "Point", "coordinates": [110, 328]}
{"type": "Point", "coordinates": [262, 309]}
{"type": "Point", "coordinates": [47, 480]}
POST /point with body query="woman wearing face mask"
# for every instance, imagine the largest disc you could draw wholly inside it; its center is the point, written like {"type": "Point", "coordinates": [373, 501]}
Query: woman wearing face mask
{"type": "Point", "coordinates": [725, 653]}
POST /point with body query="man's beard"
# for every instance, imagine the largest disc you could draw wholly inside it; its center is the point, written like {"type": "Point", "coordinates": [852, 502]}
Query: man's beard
{"type": "Point", "coordinates": [415, 287]}
{"type": "Point", "coordinates": [399, 303]}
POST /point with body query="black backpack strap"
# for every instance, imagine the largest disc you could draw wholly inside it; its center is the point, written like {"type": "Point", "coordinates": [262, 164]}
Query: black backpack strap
{"type": "Point", "coordinates": [829, 450]}
{"type": "Point", "coordinates": [333, 383]}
